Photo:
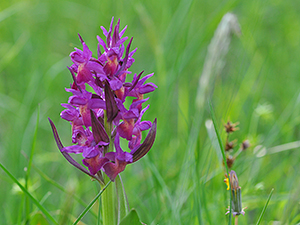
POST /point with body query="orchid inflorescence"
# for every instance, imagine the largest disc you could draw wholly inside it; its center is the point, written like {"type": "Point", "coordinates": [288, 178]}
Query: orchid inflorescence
{"type": "Point", "coordinates": [96, 110]}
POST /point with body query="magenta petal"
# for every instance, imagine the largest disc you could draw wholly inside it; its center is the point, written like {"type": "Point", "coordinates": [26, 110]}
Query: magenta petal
{"type": "Point", "coordinates": [84, 75]}
{"type": "Point", "coordinates": [94, 66]}
{"type": "Point", "coordinates": [136, 79]}
{"type": "Point", "coordinates": [94, 164]}
{"type": "Point", "coordinates": [73, 149]}
{"type": "Point", "coordinates": [111, 156]}
{"type": "Point", "coordinates": [87, 53]}
{"type": "Point", "coordinates": [67, 115]}
{"type": "Point", "coordinates": [132, 114]}
{"type": "Point", "coordinates": [96, 103]}
{"type": "Point", "coordinates": [90, 152]}
{"type": "Point", "coordinates": [76, 57]}
{"type": "Point", "coordinates": [125, 130]}
{"type": "Point", "coordinates": [113, 169]}
{"type": "Point", "coordinates": [125, 59]}
{"type": "Point", "coordinates": [77, 100]}
{"type": "Point", "coordinates": [145, 125]}
{"type": "Point", "coordinates": [146, 89]}
{"type": "Point", "coordinates": [135, 141]}
{"type": "Point", "coordinates": [102, 43]}
{"type": "Point", "coordinates": [115, 84]}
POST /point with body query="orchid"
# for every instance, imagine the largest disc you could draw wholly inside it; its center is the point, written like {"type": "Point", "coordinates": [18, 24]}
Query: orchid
{"type": "Point", "coordinates": [98, 115]}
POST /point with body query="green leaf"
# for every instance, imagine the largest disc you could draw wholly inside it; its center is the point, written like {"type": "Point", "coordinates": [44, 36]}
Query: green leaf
{"type": "Point", "coordinates": [132, 218]}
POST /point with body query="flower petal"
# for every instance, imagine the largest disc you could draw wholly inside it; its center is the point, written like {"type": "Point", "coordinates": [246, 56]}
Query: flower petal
{"type": "Point", "coordinates": [113, 169]}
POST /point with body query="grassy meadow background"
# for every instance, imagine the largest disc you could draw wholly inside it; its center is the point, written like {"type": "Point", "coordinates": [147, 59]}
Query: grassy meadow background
{"type": "Point", "coordinates": [180, 181]}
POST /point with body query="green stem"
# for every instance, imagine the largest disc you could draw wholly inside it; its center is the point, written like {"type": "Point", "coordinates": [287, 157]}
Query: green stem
{"type": "Point", "coordinates": [109, 196]}
{"type": "Point", "coordinates": [108, 204]}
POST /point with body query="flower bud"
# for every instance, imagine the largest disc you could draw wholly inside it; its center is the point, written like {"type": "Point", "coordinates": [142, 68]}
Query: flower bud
{"type": "Point", "coordinates": [236, 196]}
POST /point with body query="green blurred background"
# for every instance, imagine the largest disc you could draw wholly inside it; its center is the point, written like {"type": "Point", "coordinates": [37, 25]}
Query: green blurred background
{"type": "Point", "coordinates": [180, 181]}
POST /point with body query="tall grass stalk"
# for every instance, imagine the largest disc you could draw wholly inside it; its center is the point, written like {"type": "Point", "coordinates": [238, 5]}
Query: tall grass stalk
{"type": "Point", "coordinates": [224, 157]}
{"type": "Point", "coordinates": [91, 204]}
{"type": "Point", "coordinates": [27, 202]}
{"type": "Point", "coordinates": [265, 207]}
{"type": "Point", "coordinates": [35, 201]}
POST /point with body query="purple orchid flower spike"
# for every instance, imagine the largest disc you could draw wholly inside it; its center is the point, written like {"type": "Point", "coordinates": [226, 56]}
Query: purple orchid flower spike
{"type": "Point", "coordinates": [97, 111]}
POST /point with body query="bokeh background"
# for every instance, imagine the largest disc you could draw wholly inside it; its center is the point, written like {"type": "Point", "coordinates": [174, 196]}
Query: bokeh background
{"type": "Point", "coordinates": [180, 181]}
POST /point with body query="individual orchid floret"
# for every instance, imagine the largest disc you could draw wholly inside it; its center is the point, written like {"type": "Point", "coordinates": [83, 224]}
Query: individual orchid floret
{"type": "Point", "coordinates": [131, 128]}
{"type": "Point", "coordinates": [84, 64]}
{"type": "Point", "coordinates": [139, 87]}
{"type": "Point", "coordinates": [120, 158]}
{"type": "Point", "coordinates": [86, 101]}
{"type": "Point", "coordinates": [71, 114]}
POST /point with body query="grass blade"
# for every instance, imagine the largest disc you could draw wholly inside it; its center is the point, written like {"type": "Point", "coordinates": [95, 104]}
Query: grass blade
{"type": "Point", "coordinates": [27, 202]}
{"type": "Point", "coordinates": [223, 153]}
{"type": "Point", "coordinates": [265, 208]}
{"type": "Point", "coordinates": [91, 204]}
{"type": "Point", "coordinates": [36, 202]}
{"type": "Point", "coordinates": [56, 184]}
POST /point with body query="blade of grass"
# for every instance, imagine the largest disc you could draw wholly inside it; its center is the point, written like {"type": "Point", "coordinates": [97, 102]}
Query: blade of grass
{"type": "Point", "coordinates": [36, 202]}
{"type": "Point", "coordinates": [12, 10]}
{"type": "Point", "coordinates": [55, 184]}
{"type": "Point", "coordinates": [14, 50]}
{"type": "Point", "coordinates": [165, 188]}
{"type": "Point", "coordinates": [265, 207]}
{"type": "Point", "coordinates": [91, 204]}
{"type": "Point", "coordinates": [27, 202]}
{"type": "Point", "coordinates": [99, 213]}
{"type": "Point", "coordinates": [32, 147]}
{"type": "Point", "coordinates": [223, 153]}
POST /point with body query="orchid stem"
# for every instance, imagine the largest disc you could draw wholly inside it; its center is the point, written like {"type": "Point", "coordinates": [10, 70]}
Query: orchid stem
{"type": "Point", "coordinates": [108, 204]}
{"type": "Point", "coordinates": [109, 196]}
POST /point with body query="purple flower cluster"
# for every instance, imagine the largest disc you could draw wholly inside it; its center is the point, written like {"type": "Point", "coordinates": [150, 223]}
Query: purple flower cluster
{"type": "Point", "coordinates": [96, 109]}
